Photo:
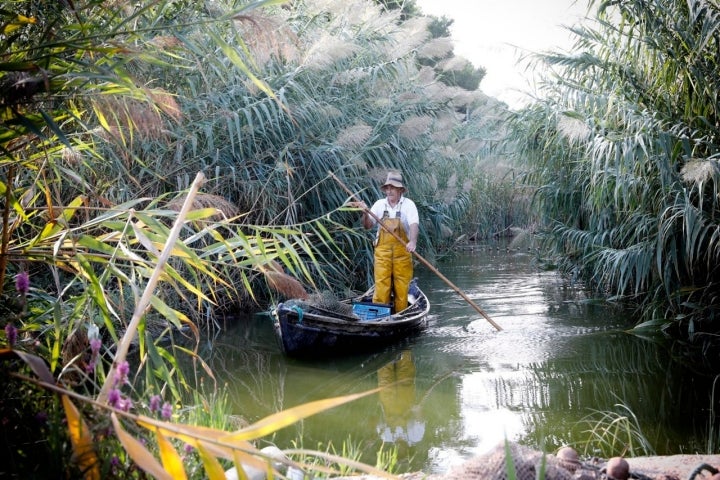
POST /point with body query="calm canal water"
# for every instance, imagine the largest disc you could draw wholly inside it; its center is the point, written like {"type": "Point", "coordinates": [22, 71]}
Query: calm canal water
{"type": "Point", "coordinates": [559, 362]}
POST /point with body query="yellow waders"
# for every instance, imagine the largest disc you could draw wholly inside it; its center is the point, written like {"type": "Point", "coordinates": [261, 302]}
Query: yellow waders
{"type": "Point", "coordinates": [393, 265]}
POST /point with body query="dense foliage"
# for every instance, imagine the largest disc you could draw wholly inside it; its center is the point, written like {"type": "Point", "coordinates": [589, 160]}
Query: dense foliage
{"type": "Point", "coordinates": [164, 161]}
{"type": "Point", "coordinates": [624, 146]}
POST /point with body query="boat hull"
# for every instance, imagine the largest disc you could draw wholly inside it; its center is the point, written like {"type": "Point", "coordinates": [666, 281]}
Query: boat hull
{"type": "Point", "coordinates": [305, 332]}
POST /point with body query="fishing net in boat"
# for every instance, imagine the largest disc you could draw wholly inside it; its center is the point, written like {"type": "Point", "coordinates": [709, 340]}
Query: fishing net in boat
{"type": "Point", "coordinates": [328, 301]}
{"type": "Point", "coordinates": [324, 303]}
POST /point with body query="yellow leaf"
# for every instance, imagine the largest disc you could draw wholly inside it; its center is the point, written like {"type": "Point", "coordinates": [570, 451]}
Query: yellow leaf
{"type": "Point", "coordinates": [10, 28]}
{"type": "Point", "coordinates": [275, 422]}
{"type": "Point", "coordinates": [213, 468]}
{"type": "Point", "coordinates": [190, 434]}
{"type": "Point", "coordinates": [139, 453]}
{"type": "Point", "coordinates": [81, 440]}
{"type": "Point", "coordinates": [24, 19]}
{"type": "Point", "coordinates": [170, 458]}
{"type": "Point", "coordinates": [242, 459]}
{"type": "Point", "coordinates": [69, 210]}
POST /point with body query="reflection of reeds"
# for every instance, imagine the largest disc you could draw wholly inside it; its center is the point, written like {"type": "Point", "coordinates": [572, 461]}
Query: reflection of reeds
{"type": "Point", "coordinates": [636, 395]}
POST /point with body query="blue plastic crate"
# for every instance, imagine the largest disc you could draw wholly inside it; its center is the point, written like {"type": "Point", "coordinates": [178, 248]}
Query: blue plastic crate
{"type": "Point", "coordinates": [371, 311]}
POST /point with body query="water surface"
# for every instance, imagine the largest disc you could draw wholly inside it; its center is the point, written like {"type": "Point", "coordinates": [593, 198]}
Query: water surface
{"type": "Point", "coordinates": [559, 362]}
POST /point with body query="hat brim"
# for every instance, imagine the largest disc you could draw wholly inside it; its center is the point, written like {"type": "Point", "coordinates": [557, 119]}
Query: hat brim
{"type": "Point", "coordinates": [393, 184]}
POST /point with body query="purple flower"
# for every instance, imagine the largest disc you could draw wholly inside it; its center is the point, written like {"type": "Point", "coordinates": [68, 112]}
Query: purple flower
{"type": "Point", "coordinates": [121, 373]}
{"type": "Point", "coordinates": [114, 398]}
{"type": "Point", "coordinates": [188, 448]}
{"type": "Point", "coordinates": [95, 345]}
{"type": "Point", "coordinates": [155, 403]}
{"type": "Point", "coordinates": [10, 334]}
{"type": "Point", "coordinates": [22, 283]}
{"type": "Point", "coordinates": [125, 404]}
{"type": "Point", "coordinates": [90, 367]}
{"type": "Point", "coordinates": [166, 412]}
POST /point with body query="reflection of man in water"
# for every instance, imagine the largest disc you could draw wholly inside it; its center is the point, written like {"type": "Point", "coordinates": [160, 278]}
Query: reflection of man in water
{"type": "Point", "coordinates": [403, 421]}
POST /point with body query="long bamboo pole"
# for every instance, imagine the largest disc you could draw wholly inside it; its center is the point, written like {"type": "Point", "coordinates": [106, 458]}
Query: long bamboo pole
{"type": "Point", "coordinates": [420, 257]}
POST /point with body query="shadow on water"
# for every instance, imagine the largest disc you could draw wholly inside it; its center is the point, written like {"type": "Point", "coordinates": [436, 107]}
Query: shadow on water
{"type": "Point", "coordinates": [461, 387]}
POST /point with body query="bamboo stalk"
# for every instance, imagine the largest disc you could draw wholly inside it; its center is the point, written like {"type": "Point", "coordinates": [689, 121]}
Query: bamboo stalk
{"type": "Point", "coordinates": [420, 257]}
{"type": "Point", "coordinates": [142, 305]}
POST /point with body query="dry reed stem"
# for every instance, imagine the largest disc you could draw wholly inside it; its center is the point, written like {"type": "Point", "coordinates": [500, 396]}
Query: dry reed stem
{"type": "Point", "coordinates": [144, 301]}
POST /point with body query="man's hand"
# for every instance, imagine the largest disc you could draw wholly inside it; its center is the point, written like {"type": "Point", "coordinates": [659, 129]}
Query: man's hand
{"type": "Point", "coordinates": [361, 205]}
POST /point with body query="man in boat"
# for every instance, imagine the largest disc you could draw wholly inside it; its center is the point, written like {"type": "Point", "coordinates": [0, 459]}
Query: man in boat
{"type": "Point", "coordinates": [393, 259]}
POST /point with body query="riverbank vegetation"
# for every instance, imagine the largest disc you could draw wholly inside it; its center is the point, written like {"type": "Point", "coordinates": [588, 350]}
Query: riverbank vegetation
{"type": "Point", "coordinates": [163, 162]}
{"type": "Point", "coordinates": [623, 156]}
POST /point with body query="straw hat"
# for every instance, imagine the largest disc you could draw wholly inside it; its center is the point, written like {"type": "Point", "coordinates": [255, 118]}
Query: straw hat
{"type": "Point", "coordinates": [394, 179]}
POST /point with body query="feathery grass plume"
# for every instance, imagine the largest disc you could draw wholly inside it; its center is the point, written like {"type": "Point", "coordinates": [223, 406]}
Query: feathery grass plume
{"type": "Point", "coordinates": [414, 127]}
{"type": "Point", "coordinates": [443, 128]}
{"type": "Point", "coordinates": [124, 115]}
{"type": "Point", "coordinates": [409, 98]}
{"type": "Point", "coordinates": [225, 208]}
{"type": "Point", "coordinates": [378, 175]}
{"type": "Point", "coordinates": [436, 48]}
{"type": "Point", "coordinates": [166, 102]}
{"type": "Point", "coordinates": [327, 50]}
{"type": "Point", "coordinates": [467, 185]}
{"type": "Point", "coordinates": [454, 64]}
{"type": "Point", "coordinates": [281, 282]}
{"type": "Point", "coordinates": [438, 92]}
{"type": "Point", "coordinates": [349, 14]}
{"type": "Point", "coordinates": [348, 77]}
{"type": "Point", "coordinates": [469, 145]}
{"type": "Point", "coordinates": [165, 41]}
{"type": "Point", "coordinates": [426, 75]}
{"type": "Point", "coordinates": [70, 156]}
{"type": "Point", "coordinates": [353, 137]}
{"type": "Point", "coordinates": [330, 111]}
{"type": "Point", "coordinates": [443, 152]}
{"type": "Point", "coordinates": [409, 36]}
{"type": "Point", "coordinates": [698, 170]}
{"type": "Point", "coordinates": [450, 193]}
{"type": "Point", "coordinates": [461, 97]}
{"type": "Point", "coordinates": [269, 36]}
{"type": "Point", "coordinates": [573, 129]}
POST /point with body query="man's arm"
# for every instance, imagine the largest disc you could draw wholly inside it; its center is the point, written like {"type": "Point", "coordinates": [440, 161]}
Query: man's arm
{"type": "Point", "coordinates": [412, 237]}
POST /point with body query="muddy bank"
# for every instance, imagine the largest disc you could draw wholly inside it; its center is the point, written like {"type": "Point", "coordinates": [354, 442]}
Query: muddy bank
{"type": "Point", "coordinates": [492, 466]}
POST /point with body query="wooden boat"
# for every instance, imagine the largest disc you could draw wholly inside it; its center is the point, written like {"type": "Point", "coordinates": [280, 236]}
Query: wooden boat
{"type": "Point", "coordinates": [304, 329]}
